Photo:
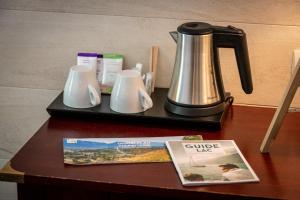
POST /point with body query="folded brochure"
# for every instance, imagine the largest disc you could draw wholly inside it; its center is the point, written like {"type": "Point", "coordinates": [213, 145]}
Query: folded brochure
{"type": "Point", "coordinates": [210, 162]}
{"type": "Point", "coordinates": [88, 151]}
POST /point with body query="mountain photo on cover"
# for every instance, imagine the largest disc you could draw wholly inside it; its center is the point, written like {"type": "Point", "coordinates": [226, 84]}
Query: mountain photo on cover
{"type": "Point", "coordinates": [87, 151]}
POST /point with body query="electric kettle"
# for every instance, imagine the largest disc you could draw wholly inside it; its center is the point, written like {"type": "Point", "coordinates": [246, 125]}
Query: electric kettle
{"type": "Point", "coordinates": [197, 87]}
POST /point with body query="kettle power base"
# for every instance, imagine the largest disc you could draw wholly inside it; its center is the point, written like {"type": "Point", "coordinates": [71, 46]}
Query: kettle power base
{"type": "Point", "coordinates": [157, 115]}
{"type": "Point", "coordinates": [194, 111]}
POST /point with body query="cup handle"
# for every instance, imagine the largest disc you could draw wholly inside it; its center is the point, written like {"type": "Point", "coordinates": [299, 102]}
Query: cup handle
{"type": "Point", "coordinates": [94, 96]}
{"type": "Point", "coordinates": [145, 99]}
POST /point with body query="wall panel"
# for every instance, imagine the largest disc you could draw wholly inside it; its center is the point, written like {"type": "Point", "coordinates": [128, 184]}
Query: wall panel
{"type": "Point", "coordinates": [37, 49]}
{"type": "Point", "coordinates": [22, 113]}
{"type": "Point", "coordinates": [284, 12]}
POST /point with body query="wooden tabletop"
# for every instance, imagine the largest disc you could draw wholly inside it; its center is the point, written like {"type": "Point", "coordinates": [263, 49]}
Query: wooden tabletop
{"type": "Point", "coordinates": [40, 161]}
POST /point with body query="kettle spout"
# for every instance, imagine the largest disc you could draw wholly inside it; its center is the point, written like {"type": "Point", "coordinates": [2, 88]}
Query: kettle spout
{"type": "Point", "coordinates": [174, 35]}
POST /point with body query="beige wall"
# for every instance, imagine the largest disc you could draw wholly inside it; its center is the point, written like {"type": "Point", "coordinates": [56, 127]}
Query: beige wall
{"type": "Point", "coordinates": [39, 41]}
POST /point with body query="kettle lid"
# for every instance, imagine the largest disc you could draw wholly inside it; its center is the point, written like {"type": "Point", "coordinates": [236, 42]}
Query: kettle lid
{"type": "Point", "coordinates": [195, 28]}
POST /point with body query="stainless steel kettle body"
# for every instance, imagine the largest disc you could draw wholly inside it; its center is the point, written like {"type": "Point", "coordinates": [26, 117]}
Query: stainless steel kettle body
{"type": "Point", "coordinates": [194, 78]}
{"type": "Point", "coordinates": [196, 87]}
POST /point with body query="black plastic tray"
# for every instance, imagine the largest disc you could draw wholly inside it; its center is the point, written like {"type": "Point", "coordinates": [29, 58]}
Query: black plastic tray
{"type": "Point", "coordinates": [157, 114]}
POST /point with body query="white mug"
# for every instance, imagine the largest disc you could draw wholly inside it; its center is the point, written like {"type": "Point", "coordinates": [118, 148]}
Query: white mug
{"type": "Point", "coordinates": [129, 94]}
{"type": "Point", "coordinates": [81, 89]}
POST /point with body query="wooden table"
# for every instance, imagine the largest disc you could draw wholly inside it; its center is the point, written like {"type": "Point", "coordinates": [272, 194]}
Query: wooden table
{"type": "Point", "coordinates": [39, 170]}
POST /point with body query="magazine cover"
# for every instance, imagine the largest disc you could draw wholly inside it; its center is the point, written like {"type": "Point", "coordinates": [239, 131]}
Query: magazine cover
{"type": "Point", "coordinates": [87, 151]}
{"type": "Point", "coordinates": [210, 162]}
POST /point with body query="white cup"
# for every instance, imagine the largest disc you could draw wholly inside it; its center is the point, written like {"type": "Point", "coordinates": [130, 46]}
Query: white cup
{"type": "Point", "coordinates": [81, 89]}
{"type": "Point", "coordinates": [129, 94]}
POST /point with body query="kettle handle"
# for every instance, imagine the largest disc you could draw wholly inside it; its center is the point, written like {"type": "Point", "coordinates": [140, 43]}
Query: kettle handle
{"type": "Point", "coordinates": [231, 37]}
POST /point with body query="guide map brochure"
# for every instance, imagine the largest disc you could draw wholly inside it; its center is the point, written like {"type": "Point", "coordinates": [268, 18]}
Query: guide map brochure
{"type": "Point", "coordinates": [88, 151]}
{"type": "Point", "coordinates": [210, 162]}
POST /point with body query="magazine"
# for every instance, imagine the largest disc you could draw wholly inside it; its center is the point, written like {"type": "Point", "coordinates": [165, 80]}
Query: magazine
{"type": "Point", "coordinates": [88, 151]}
{"type": "Point", "coordinates": [210, 162]}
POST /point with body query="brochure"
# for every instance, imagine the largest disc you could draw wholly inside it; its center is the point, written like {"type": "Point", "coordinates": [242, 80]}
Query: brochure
{"type": "Point", "coordinates": [210, 162]}
{"type": "Point", "coordinates": [88, 151]}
